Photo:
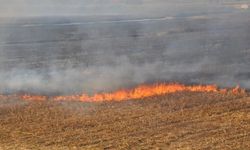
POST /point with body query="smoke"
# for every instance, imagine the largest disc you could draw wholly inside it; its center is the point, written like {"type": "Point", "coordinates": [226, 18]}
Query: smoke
{"type": "Point", "coordinates": [145, 8]}
{"type": "Point", "coordinates": [68, 46]}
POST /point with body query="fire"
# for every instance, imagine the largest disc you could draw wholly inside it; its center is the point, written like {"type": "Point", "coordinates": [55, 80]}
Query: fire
{"type": "Point", "coordinates": [33, 97]}
{"type": "Point", "coordinates": [141, 91]}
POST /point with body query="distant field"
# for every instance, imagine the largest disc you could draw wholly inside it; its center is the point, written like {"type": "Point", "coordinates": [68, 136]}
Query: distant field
{"type": "Point", "coordinates": [177, 121]}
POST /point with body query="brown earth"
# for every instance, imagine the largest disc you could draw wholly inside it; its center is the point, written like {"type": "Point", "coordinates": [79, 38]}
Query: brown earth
{"type": "Point", "coordinates": [177, 121]}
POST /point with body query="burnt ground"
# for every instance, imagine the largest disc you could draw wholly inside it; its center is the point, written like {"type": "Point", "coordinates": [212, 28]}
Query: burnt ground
{"type": "Point", "coordinates": [178, 121]}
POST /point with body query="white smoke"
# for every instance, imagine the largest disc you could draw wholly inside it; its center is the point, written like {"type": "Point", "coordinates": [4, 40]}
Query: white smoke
{"type": "Point", "coordinates": [70, 46]}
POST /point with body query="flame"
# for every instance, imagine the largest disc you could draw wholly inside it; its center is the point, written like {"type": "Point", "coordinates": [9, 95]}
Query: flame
{"type": "Point", "coordinates": [143, 91]}
{"type": "Point", "coordinates": [33, 97]}
{"type": "Point", "coordinates": [139, 92]}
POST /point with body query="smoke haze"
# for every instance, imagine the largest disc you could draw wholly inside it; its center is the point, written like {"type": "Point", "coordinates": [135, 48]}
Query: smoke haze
{"type": "Point", "coordinates": [69, 46]}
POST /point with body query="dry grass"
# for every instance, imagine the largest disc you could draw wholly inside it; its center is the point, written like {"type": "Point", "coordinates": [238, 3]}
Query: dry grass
{"type": "Point", "coordinates": [177, 121]}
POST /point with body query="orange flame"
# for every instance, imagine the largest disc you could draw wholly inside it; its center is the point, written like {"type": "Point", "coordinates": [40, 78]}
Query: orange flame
{"type": "Point", "coordinates": [141, 91]}
{"type": "Point", "coordinates": [33, 97]}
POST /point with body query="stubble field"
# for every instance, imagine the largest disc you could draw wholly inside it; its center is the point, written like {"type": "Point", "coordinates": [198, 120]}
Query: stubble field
{"type": "Point", "coordinates": [185, 120]}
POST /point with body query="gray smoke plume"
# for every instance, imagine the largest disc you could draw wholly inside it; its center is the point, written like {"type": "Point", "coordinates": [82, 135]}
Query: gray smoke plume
{"type": "Point", "coordinates": [69, 46]}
